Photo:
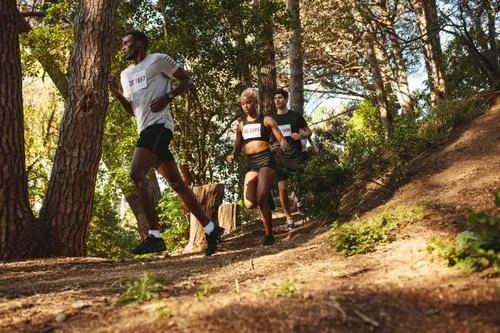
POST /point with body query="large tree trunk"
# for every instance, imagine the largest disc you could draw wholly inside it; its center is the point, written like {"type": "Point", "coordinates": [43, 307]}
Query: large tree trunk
{"type": "Point", "coordinates": [267, 70]}
{"type": "Point", "coordinates": [61, 82]}
{"type": "Point", "coordinates": [378, 84]}
{"type": "Point", "coordinates": [210, 198]}
{"type": "Point", "coordinates": [492, 39]}
{"type": "Point", "coordinates": [296, 59]}
{"type": "Point", "coordinates": [68, 204]}
{"type": "Point", "coordinates": [369, 38]}
{"type": "Point", "coordinates": [427, 20]}
{"type": "Point", "coordinates": [400, 83]}
{"type": "Point", "coordinates": [16, 217]}
{"type": "Point", "coordinates": [243, 58]}
{"type": "Point", "coordinates": [267, 78]}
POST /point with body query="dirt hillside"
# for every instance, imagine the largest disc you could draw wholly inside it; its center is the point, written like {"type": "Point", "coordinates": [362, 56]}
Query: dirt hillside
{"type": "Point", "coordinates": [299, 285]}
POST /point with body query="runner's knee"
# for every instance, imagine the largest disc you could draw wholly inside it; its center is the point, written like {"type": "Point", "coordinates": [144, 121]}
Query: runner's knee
{"type": "Point", "coordinates": [250, 204]}
{"type": "Point", "coordinates": [137, 176]}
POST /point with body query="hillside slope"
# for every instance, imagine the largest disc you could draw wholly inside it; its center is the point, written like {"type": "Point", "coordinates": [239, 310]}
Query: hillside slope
{"type": "Point", "coordinates": [299, 285]}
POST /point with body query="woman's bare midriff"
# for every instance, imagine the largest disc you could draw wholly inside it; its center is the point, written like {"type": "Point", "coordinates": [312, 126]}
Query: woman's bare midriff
{"type": "Point", "coordinates": [254, 147]}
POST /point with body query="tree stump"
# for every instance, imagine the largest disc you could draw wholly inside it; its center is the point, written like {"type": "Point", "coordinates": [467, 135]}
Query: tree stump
{"type": "Point", "coordinates": [229, 216]}
{"type": "Point", "coordinates": [210, 198]}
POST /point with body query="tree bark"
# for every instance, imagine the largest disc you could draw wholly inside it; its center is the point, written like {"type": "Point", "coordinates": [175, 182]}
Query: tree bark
{"type": "Point", "coordinates": [61, 82]}
{"type": "Point", "coordinates": [400, 83]}
{"type": "Point", "coordinates": [378, 84]}
{"type": "Point", "coordinates": [210, 198]}
{"type": "Point", "coordinates": [68, 204]}
{"type": "Point", "coordinates": [296, 59]}
{"type": "Point", "coordinates": [267, 70]}
{"type": "Point", "coordinates": [492, 39]}
{"type": "Point", "coordinates": [368, 39]}
{"type": "Point", "coordinates": [427, 21]}
{"type": "Point", "coordinates": [229, 216]}
{"type": "Point", "coordinates": [16, 217]}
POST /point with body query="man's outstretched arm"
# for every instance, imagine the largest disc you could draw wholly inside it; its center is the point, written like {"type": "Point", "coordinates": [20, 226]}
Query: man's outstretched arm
{"type": "Point", "coordinates": [116, 90]}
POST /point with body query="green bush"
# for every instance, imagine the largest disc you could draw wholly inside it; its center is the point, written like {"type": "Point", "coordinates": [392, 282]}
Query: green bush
{"type": "Point", "coordinates": [405, 142]}
{"type": "Point", "coordinates": [108, 237]}
{"type": "Point", "coordinates": [476, 249]}
{"type": "Point", "coordinates": [362, 235]}
{"type": "Point", "coordinates": [321, 185]}
{"type": "Point", "coordinates": [365, 141]}
{"type": "Point", "coordinates": [173, 221]}
{"type": "Point", "coordinates": [248, 215]}
{"type": "Point", "coordinates": [438, 125]}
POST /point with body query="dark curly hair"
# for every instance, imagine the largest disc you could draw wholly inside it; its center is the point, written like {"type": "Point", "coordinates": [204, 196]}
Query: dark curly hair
{"type": "Point", "coordinates": [139, 35]}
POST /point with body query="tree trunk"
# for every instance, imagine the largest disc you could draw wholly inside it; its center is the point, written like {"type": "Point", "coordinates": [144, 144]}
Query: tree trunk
{"type": "Point", "coordinates": [378, 83]}
{"type": "Point", "coordinates": [427, 20]}
{"type": "Point", "coordinates": [68, 205]}
{"type": "Point", "coordinates": [267, 71]}
{"type": "Point", "coordinates": [16, 217]}
{"type": "Point", "coordinates": [492, 39]}
{"type": "Point", "coordinates": [61, 82]}
{"type": "Point", "coordinates": [243, 60]}
{"type": "Point", "coordinates": [267, 79]}
{"type": "Point", "coordinates": [210, 198]}
{"type": "Point", "coordinates": [400, 83]}
{"type": "Point", "coordinates": [296, 59]}
{"type": "Point", "coordinates": [229, 216]}
{"type": "Point", "coordinates": [134, 202]}
{"type": "Point", "coordinates": [368, 38]}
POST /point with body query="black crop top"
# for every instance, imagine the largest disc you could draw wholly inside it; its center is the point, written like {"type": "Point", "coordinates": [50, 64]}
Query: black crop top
{"type": "Point", "coordinates": [255, 130]}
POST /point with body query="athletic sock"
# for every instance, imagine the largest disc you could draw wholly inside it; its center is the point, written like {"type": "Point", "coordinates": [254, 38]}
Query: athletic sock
{"type": "Point", "coordinates": [155, 233]}
{"type": "Point", "coordinates": [209, 227]}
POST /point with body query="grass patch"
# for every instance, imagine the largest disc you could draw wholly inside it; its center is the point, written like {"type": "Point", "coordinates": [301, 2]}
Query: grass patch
{"type": "Point", "coordinates": [287, 288]}
{"type": "Point", "coordinates": [139, 290]}
{"type": "Point", "coordinates": [163, 312]}
{"type": "Point", "coordinates": [476, 249]}
{"type": "Point", "coordinates": [362, 235]}
{"type": "Point", "coordinates": [205, 291]}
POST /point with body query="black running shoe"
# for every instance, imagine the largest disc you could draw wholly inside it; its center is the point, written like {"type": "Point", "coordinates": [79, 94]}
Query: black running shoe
{"type": "Point", "coordinates": [151, 244]}
{"type": "Point", "coordinates": [212, 239]}
{"type": "Point", "coordinates": [268, 240]}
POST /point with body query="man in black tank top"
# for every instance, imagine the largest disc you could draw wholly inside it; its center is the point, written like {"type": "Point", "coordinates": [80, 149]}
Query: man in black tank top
{"type": "Point", "coordinates": [294, 127]}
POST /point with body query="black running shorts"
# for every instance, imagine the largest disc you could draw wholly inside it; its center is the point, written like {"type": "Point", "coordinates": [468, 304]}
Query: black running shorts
{"type": "Point", "coordinates": [260, 160]}
{"type": "Point", "coordinates": [156, 138]}
{"type": "Point", "coordinates": [285, 167]}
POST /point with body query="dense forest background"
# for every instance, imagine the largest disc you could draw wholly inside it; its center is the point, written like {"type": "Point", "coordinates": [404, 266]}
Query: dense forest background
{"type": "Point", "coordinates": [66, 146]}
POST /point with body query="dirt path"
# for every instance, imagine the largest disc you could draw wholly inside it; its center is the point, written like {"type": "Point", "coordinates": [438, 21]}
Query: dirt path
{"type": "Point", "coordinates": [299, 285]}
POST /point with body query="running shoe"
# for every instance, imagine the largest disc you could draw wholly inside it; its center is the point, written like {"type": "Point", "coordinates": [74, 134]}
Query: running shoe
{"type": "Point", "coordinates": [268, 240]}
{"type": "Point", "coordinates": [213, 239]}
{"type": "Point", "coordinates": [151, 244]}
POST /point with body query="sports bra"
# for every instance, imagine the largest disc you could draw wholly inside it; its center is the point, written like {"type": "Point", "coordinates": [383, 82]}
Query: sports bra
{"type": "Point", "coordinates": [255, 130]}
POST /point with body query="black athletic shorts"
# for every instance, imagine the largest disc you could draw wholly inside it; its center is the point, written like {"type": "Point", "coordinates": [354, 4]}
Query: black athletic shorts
{"type": "Point", "coordinates": [156, 138]}
{"type": "Point", "coordinates": [260, 160]}
{"type": "Point", "coordinates": [286, 166]}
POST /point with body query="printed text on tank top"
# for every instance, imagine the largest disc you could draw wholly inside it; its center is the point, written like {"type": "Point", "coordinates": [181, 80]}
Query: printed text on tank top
{"type": "Point", "coordinates": [255, 130]}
